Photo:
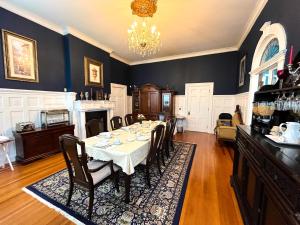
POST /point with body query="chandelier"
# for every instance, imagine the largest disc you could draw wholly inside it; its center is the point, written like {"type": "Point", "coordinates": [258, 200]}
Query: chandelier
{"type": "Point", "coordinates": [143, 37]}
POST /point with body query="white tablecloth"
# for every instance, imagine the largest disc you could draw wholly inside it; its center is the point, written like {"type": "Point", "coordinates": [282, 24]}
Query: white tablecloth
{"type": "Point", "coordinates": [126, 155]}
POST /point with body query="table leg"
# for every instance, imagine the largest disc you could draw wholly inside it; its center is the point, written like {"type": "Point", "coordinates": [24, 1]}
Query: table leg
{"type": "Point", "coordinates": [7, 157]}
{"type": "Point", "coordinates": [127, 188]}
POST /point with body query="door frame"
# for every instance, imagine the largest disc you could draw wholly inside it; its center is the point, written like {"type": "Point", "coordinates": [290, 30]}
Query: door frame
{"type": "Point", "coordinates": [124, 89]}
{"type": "Point", "coordinates": [211, 88]}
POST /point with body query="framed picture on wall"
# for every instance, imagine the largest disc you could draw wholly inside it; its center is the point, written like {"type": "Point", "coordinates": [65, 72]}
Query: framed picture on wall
{"type": "Point", "coordinates": [93, 72]}
{"type": "Point", "coordinates": [242, 71]}
{"type": "Point", "coordinates": [20, 57]}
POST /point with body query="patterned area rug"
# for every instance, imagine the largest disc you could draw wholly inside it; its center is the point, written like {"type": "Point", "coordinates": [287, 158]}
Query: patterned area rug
{"type": "Point", "coordinates": [160, 204]}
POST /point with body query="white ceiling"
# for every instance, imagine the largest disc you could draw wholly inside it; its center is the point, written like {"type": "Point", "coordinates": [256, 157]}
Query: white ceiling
{"type": "Point", "coordinates": [187, 27]}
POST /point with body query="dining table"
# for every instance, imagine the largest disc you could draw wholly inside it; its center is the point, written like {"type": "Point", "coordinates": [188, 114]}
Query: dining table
{"type": "Point", "coordinates": [127, 147]}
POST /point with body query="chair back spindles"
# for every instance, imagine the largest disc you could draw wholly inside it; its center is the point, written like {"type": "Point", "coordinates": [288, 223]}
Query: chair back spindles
{"type": "Point", "coordinates": [129, 120]}
{"type": "Point", "coordinates": [76, 163]}
{"type": "Point", "coordinates": [116, 122]}
{"type": "Point", "coordinates": [93, 128]}
{"type": "Point", "coordinates": [156, 139]}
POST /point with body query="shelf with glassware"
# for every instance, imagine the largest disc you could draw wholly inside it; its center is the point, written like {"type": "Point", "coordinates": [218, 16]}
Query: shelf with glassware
{"type": "Point", "coordinates": [280, 103]}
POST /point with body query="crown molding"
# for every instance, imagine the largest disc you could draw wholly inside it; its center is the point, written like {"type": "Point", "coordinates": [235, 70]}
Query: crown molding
{"type": "Point", "coordinates": [258, 9]}
{"type": "Point", "coordinates": [31, 16]}
{"type": "Point", "coordinates": [115, 56]}
{"type": "Point", "coordinates": [86, 38]}
{"type": "Point", "coordinates": [188, 55]}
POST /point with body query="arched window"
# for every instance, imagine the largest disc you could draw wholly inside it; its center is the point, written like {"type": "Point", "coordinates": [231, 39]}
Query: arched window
{"type": "Point", "coordinates": [269, 56]}
{"type": "Point", "coordinates": [269, 75]}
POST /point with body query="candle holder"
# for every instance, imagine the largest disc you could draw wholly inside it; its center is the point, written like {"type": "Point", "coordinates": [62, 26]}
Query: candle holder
{"type": "Point", "coordinates": [295, 74]}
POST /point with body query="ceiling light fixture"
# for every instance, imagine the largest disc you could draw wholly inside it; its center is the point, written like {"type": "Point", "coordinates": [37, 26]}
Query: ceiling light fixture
{"type": "Point", "coordinates": [143, 38]}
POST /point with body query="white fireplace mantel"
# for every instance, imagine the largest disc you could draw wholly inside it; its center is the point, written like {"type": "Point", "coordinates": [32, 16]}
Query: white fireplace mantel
{"type": "Point", "coordinates": [81, 107]}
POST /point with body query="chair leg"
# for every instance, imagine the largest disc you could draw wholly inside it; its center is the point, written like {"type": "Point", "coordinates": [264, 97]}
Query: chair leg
{"type": "Point", "coordinates": [158, 164]}
{"type": "Point", "coordinates": [70, 192]}
{"type": "Point", "coordinates": [147, 176]}
{"type": "Point", "coordinates": [167, 150]}
{"type": "Point", "coordinates": [91, 202]}
{"type": "Point", "coordinates": [163, 157]}
{"type": "Point", "coordinates": [116, 178]}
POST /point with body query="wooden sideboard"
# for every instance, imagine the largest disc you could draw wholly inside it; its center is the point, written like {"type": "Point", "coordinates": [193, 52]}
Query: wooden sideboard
{"type": "Point", "coordinates": [266, 180]}
{"type": "Point", "coordinates": [39, 143]}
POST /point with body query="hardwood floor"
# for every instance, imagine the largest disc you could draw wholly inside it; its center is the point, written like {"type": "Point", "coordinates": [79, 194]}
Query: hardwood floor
{"type": "Point", "coordinates": [209, 199]}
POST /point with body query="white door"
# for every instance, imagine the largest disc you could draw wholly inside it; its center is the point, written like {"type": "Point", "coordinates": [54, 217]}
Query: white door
{"type": "Point", "coordinates": [199, 106]}
{"type": "Point", "coordinates": [119, 97]}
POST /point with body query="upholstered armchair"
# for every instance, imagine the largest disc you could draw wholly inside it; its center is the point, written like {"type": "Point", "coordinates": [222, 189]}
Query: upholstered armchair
{"type": "Point", "coordinates": [226, 126]}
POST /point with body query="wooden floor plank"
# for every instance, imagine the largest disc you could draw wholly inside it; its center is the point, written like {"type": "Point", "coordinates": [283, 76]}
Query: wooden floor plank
{"type": "Point", "coordinates": [209, 198]}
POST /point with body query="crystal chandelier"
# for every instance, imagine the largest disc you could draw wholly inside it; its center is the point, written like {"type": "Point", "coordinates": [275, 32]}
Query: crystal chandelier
{"type": "Point", "coordinates": [143, 37]}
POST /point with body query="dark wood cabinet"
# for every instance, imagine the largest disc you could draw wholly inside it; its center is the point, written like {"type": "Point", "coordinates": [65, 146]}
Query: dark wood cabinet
{"type": "Point", "coordinates": [266, 180]}
{"type": "Point", "coordinates": [167, 102]}
{"type": "Point", "coordinates": [40, 142]}
{"type": "Point", "coordinates": [150, 100]}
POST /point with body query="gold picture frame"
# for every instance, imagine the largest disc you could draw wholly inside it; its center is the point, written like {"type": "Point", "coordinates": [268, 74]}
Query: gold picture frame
{"type": "Point", "coordinates": [93, 72]}
{"type": "Point", "coordinates": [20, 57]}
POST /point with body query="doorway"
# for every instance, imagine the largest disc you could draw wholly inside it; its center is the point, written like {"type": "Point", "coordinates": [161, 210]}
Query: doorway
{"type": "Point", "coordinates": [199, 102]}
{"type": "Point", "coordinates": [119, 97]}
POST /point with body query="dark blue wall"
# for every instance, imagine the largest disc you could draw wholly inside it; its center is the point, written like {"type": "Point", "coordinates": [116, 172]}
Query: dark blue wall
{"type": "Point", "coordinates": [114, 71]}
{"type": "Point", "coordinates": [50, 53]}
{"type": "Point", "coordinates": [285, 12]}
{"type": "Point", "coordinates": [219, 68]}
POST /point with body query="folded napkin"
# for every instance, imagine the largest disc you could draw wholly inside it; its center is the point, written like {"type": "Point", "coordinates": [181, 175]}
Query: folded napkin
{"type": "Point", "coordinates": [105, 134]}
{"type": "Point", "coordinates": [102, 144]}
{"type": "Point", "coordinates": [142, 138]}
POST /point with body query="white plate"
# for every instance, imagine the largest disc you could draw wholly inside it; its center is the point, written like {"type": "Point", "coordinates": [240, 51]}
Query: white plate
{"type": "Point", "coordinates": [3, 138]}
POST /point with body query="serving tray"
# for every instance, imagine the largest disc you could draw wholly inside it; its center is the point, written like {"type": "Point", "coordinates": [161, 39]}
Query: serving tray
{"type": "Point", "coordinates": [279, 140]}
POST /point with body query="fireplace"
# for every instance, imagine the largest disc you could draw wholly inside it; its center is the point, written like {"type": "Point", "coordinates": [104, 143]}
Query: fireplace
{"type": "Point", "coordinates": [99, 115]}
{"type": "Point", "coordinates": [84, 111]}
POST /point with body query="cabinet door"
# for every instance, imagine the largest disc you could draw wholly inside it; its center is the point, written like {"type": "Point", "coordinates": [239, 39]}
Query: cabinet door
{"type": "Point", "coordinates": [239, 170]}
{"type": "Point", "coordinates": [144, 102]}
{"type": "Point", "coordinates": [154, 100]}
{"type": "Point", "coordinates": [253, 189]}
{"type": "Point", "coordinates": [271, 214]}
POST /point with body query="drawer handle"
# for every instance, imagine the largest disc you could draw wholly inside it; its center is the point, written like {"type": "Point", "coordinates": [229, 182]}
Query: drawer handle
{"type": "Point", "coordinates": [297, 216]}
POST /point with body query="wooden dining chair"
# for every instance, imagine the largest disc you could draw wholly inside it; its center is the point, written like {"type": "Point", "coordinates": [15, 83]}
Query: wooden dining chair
{"type": "Point", "coordinates": [116, 122]}
{"type": "Point", "coordinates": [87, 175]}
{"type": "Point", "coordinates": [129, 120]}
{"type": "Point", "coordinates": [173, 126]}
{"type": "Point", "coordinates": [93, 128]}
{"type": "Point", "coordinates": [153, 156]}
{"type": "Point", "coordinates": [166, 141]}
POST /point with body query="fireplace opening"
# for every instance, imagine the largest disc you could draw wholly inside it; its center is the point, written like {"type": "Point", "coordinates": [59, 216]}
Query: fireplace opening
{"type": "Point", "coordinates": [99, 115]}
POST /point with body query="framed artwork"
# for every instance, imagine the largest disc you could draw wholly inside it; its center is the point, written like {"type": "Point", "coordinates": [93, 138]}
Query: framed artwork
{"type": "Point", "coordinates": [93, 72]}
{"type": "Point", "coordinates": [20, 57]}
{"type": "Point", "coordinates": [242, 71]}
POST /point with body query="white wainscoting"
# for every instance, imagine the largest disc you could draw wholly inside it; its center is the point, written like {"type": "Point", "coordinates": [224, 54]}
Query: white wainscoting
{"type": "Point", "coordinates": [221, 104]}
{"type": "Point", "coordinates": [25, 105]}
{"type": "Point", "coordinates": [129, 104]}
{"type": "Point", "coordinates": [243, 100]}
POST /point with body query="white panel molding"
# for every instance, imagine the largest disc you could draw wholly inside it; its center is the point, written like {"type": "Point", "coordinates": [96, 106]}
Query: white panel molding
{"type": "Point", "coordinates": [129, 104]}
{"type": "Point", "coordinates": [222, 104]}
{"type": "Point", "coordinates": [17, 105]}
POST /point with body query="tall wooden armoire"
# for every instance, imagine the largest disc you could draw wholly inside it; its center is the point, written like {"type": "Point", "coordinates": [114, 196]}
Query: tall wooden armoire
{"type": "Point", "coordinates": [150, 100]}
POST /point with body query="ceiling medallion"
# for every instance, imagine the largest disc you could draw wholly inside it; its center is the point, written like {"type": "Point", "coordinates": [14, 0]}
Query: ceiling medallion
{"type": "Point", "coordinates": [144, 8]}
{"type": "Point", "coordinates": [143, 38]}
